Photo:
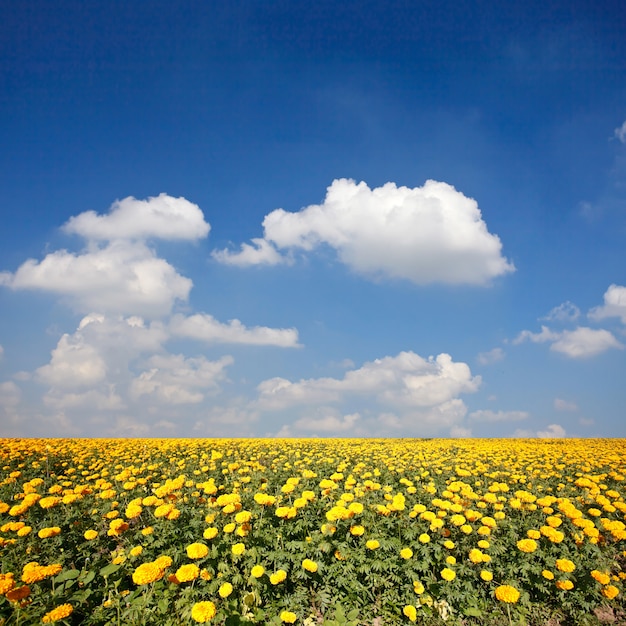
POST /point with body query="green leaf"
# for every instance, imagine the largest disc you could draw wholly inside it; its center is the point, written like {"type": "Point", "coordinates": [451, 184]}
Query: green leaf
{"type": "Point", "coordinates": [66, 575]}
{"type": "Point", "coordinates": [109, 569]}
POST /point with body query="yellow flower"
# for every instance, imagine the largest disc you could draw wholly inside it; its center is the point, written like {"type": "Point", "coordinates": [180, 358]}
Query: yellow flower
{"type": "Point", "coordinates": [533, 534]}
{"type": "Point", "coordinates": [257, 571]}
{"type": "Point", "coordinates": [309, 565]}
{"type": "Point", "coordinates": [357, 531]}
{"type": "Point", "coordinates": [229, 528]}
{"type": "Point", "coordinates": [564, 585]}
{"type": "Point", "coordinates": [53, 531]}
{"type": "Point", "coordinates": [565, 565]}
{"type": "Point", "coordinates": [410, 611]}
{"type": "Point", "coordinates": [288, 617]}
{"type": "Point", "coordinates": [610, 591]}
{"type": "Point", "coordinates": [372, 544]}
{"type": "Point", "coordinates": [60, 612]}
{"type": "Point", "coordinates": [418, 587]}
{"type": "Point", "coordinates": [7, 582]}
{"type": "Point", "coordinates": [136, 551]}
{"type": "Point", "coordinates": [202, 612]}
{"type": "Point", "coordinates": [448, 574]}
{"type": "Point", "coordinates": [527, 545]}
{"type": "Point", "coordinates": [449, 544]}
{"type": "Point", "coordinates": [187, 573]}
{"type": "Point", "coordinates": [225, 590]}
{"type": "Point", "coordinates": [424, 538]}
{"type": "Point", "coordinates": [33, 572]}
{"type": "Point", "coordinates": [210, 533]}
{"type": "Point", "coordinates": [547, 574]}
{"type": "Point", "coordinates": [507, 593]}
{"type": "Point", "coordinates": [238, 549]}
{"type": "Point", "coordinates": [147, 531]}
{"type": "Point", "coordinates": [406, 553]}
{"type": "Point", "coordinates": [18, 593]}
{"type": "Point", "coordinates": [163, 561]}
{"type": "Point", "coordinates": [450, 560]}
{"type": "Point", "coordinates": [243, 517]}
{"type": "Point", "coordinates": [475, 555]}
{"type": "Point", "coordinates": [147, 573]}
{"type": "Point", "coordinates": [602, 577]}
{"type": "Point", "coordinates": [278, 576]}
{"type": "Point", "coordinates": [197, 551]}
{"type": "Point", "coordinates": [90, 534]}
{"type": "Point", "coordinates": [486, 575]}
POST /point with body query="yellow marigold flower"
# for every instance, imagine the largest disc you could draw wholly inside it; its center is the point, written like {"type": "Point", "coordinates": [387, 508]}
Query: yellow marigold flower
{"type": "Point", "coordinates": [547, 574]}
{"type": "Point", "coordinates": [225, 590]}
{"type": "Point", "coordinates": [309, 565]}
{"type": "Point", "coordinates": [238, 549]}
{"type": "Point", "coordinates": [243, 517]}
{"type": "Point", "coordinates": [203, 612]}
{"type": "Point", "coordinates": [602, 577]}
{"type": "Point", "coordinates": [533, 534]}
{"type": "Point", "coordinates": [486, 575]}
{"type": "Point", "coordinates": [288, 617]}
{"type": "Point", "coordinates": [406, 553]}
{"type": "Point", "coordinates": [507, 593]}
{"type": "Point", "coordinates": [372, 544]}
{"type": "Point", "coordinates": [163, 561]}
{"type": "Point", "coordinates": [475, 555]}
{"type": "Point", "coordinates": [565, 565]}
{"type": "Point", "coordinates": [7, 582]}
{"type": "Point", "coordinates": [278, 576]}
{"type": "Point", "coordinates": [90, 534]}
{"type": "Point", "coordinates": [564, 585]}
{"type": "Point", "coordinates": [18, 593]}
{"type": "Point", "coordinates": [53, 531]}
{"type": "Point", "coordinates": [197, 551]}
{"type": "Point", "coordinates": [424, 538]}
{"type": "Point", "coordinates": [148, 530]}
{"type": "Point", "coordinates": [132, 511]}
{"type": "Point", "coordinates": [147, 573]}
{"type": "Point", "coordinates": [357, 531]}
{"type": "Point", "coordinates": [60, 612]}
{"type": "Point", "coordinates": [25, 530]}
{"type": "Point", "coordinates": [527, 545]}
{"type": "Point", "coordinates": [229, 528]}
{"type": "Point", "coordinates": [33, 572]}
{"type": "Point", "coordinates": [554, 521]}
{"type": "Point", "coordinates": [448, 574]}
{"type": "Point", "coordinates": [450, 560]}
{"type": "Point", "coordinates": [610, 591]}
{"type": "Point", "coordinates": [449, 544]}
{"type": "Point", "coordinates": [49, 502]}
{"type": "Point", "coordinates": [355, 507]}
{"type": "Point", "coordinates": [136, 551]}
{"type": "Point", "coordinates": [410, 612]}
{"type": "Point", "coordinates": [210, 533]}
{"type": "Point", "coordinates": [257, 571]}
{"type": "Point", "coordinates": [418, 587]}
{"type": "Point", "coordinates": [205, 574]}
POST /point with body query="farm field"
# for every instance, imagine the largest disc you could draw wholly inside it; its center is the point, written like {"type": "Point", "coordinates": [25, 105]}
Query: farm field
{"type": "Point", "coordinates": [312, 531]}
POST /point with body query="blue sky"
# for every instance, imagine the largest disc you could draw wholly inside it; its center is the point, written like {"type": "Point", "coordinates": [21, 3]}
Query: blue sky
{"type": "Point", "coordinates": [312, 219]}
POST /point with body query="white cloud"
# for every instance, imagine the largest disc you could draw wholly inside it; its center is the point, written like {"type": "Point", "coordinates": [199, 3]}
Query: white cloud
{"type": "Point", "coordinates": [620, 132]}
{"type": "Point", "coordinates": [614, 304]}
{"type": "Point", "coordinates": [585, 342]}
{"type": "Point", "coordinates": [261, 252]}
{"type": "Point", "coordinates": [328, 424]}
{"type": "Point", "coordinates": [492, 356]}
{"type": "Point", "coordinates": [92, 400]}
{"type": "Point", "coordinates": [10, 394]}
{"type": "Point", "coordinates": [459, 432]}
{"type": "Point", "coordinates": [553, 431]}
{"type": "Point", "coordinates": [498, 416]}
{"type": "Point", "coordinates": [123, 277]}
{"type": "Point", "coordinates": [578, 343]}
{"type": "Point", "coordinates": [174, 379]}
{"type": "Point", "coordinates": [424, 234]}
{"type": "Point", "coordinates": [564, 405]}
{"type": "Point", "coordinates": [565, 312]}
{"type": "Point", "coordinates": [204, 327]}
{"type": "Point", "coordinates": [162, 217]}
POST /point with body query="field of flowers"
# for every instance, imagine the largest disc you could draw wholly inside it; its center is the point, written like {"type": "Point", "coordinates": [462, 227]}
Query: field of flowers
{"type": "Point", "coordinates": [266, 531]}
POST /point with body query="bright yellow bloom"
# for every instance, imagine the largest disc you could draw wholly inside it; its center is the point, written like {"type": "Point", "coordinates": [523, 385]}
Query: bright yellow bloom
{"type": "Point", "coordinates": [90, 534]}
{"type": "Point", "coordinates": [610, 592]}
{"type": "Point", "coordinates": [602, 577]}
{"type": "Point", "coordinates": [418, 587]}
{"type": "Point", "coordinates": [357, 531]}
{"type": "Point", "coordinates": [238, 549]}
{"type": "Point", "coordinates": [565, 565]}
{"type": "Point", "coordinates": [564, 585]}
{"type": "Point", "coordinates": [448, 574]}
{"type": "Point", "coordinates": [225, 590]}
{"type": "Point", "coordinates": [450, 560]}
{"type": "Point", "coordinates": [60, 612]}
{"type": "Point", "coordinates": [309, 565]}
{"type": "Point", "coordinates": [278, 576]}
{"type": "Point", "coordinates": [486, 575]}
{"type": "Point", "coordinates": [53, 531]}
{"type": "Point", "coordinates": [424, 538]}
{"type": "Point", "coordinates": [547, 574]}
{"type": "Point", "coordinates": [210, 533]}
{"type": "Point", "coordinates": [136, 551]}
{"type": "Point", "coordinates": [197, 551]}
{"type": "Point", "coordinates": [203, 612]}
{"type": "Point", "coordinates": [406, 553]}
{"type": "Point", "coordinates": [288, 617]}
{"type": "Point", "coordinates": [410, 611]}
{"type": "Point", "coordinates": [33, 572]}
{"type": "Point", "coordinates": [475, 555]}
{"type": "Point", "coordinates": [147, 573]}
{"type": "Point", "coordinates": [372, 544]}
{"type": "Point", "coordinates": [187, 573]}
{"type": "Point", "coordinates": [527, 545]}
{"type": "Point", "coordinates": [257, 571]}
{"type": "Point", "coordinates": [507, 593]}
{"type": "Point", "coordinates": [7, 582]}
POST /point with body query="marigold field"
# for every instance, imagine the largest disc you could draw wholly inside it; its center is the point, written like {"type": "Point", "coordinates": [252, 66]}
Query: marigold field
{"type": "Point", "coordinates": [266, 531]}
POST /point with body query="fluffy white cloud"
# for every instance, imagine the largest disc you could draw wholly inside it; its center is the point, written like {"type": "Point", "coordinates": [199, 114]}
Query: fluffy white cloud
{"type": "Point", "coordinates": [585, 342]}
{"type": "Point", "coordinates": [614, 304]}
{"type": "Point", "coordinates": [174, 379]}
{"type": "Point", "coordinates": [123, 277]}
{"type": "Point", "coordinates": [564, 405]}
{"type": "Point", "coordinates": [553, 431]}
{"type": "Point", "coordinates": [204, 327]}
{"type": "Point", "coordinates": [620, 132]}
{"type": "Point", "coordinates": [163, 217]}
{"type": "Point", "coordinates": [498, 416]}
{"type": "Point", "coordinates": [424, 234]}
{"type": "Point", "coordinates": [578, 343]}
{"type": "Point", "coordinates": [10, 394]}
{"type": "Point", "coordinates": [492, 356]}
{"type": "Point", "coordinates": [261, 252]}
{"type": "Point", "coordinates": [565, 312]}
{"type": "Point", "coordinates": [328, 424]}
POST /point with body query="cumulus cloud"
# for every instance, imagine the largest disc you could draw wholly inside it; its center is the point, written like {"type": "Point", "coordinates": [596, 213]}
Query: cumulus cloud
{"type": "Point", "coordinates": [564, 405]}
{"type": "Point", "coordinates": [492, 356]}
{"type": "Point", "coordinates": [162, 217]}
{"type": "Point", "coordinates": [174, 379]}
{"type": "Point", "coordinates": [261, 252]}
{"type": "Point", "coordinates": [10, 394]}
{"type": "Point", "coordinates": [204, 327]}
{"type": "Point", "coordinates": [620, 132]}
{"type": "Point", "coordinates": [429, 234]}
{"type": "Point", "coordinates": [328, 423]}
{"type": "Point", "coordinates": [581, 342]}
{"type": "Point", "coordinates": [122, 277]}
{"type": "Point", "coordinates": [614, 304]}
{"type": "Point", "coordinates": [553, 431]}
{"type": "Point", "coordinates": [565, 312]}
{"type": "Point", "coordinates": [488, 415]}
